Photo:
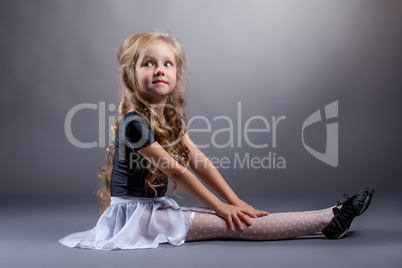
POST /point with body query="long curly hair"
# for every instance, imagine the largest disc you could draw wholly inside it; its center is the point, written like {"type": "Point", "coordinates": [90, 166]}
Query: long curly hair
{"type": "Point", "coordinates": [168, 127]}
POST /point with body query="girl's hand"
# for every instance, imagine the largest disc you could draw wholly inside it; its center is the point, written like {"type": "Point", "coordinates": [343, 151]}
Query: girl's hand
{"type": "Point", "coordinates": [233, 216]}
{"type": "Point", "coordinates": [249, 210]}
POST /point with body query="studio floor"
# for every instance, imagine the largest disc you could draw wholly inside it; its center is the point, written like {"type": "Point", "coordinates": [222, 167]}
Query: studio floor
{"type": "Point", "coordinates": [29, 238]}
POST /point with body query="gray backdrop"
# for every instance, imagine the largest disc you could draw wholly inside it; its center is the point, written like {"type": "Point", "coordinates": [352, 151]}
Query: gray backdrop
{"type": "Point", "coordinates": [271, 58]}
{"type": "Point", "coordinates": [275, 58]}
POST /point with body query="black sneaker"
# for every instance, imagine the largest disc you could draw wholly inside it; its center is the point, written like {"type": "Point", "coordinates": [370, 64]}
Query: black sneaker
{"type": "Point", "coordinates": [349, 209]}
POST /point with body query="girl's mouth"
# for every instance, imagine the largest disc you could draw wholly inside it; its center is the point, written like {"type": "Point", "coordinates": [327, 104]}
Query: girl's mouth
{"type": "Point", "coordinates": [159, 82]}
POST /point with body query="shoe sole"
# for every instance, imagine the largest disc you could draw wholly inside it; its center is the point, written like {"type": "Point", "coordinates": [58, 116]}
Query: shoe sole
{"type": "Point", "coordinates": [343, 234]}
{"type": "Point", "coordinates": [367, 201]}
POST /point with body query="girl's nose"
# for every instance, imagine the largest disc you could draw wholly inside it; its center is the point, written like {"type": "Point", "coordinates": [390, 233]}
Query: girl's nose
{"type": "Point", "coordinates": [159, 72]}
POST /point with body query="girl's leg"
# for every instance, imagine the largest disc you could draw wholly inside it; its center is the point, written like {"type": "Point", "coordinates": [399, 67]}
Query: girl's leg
{"type": "Point", "coordinates": [272, 227]}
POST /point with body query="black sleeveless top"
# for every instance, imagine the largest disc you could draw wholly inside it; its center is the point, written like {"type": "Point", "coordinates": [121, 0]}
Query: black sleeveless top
{"type": "Point", "coordinates": [129, 167]}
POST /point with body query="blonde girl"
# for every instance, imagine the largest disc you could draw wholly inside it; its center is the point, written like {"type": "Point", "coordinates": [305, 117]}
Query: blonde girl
{"type": "Point", "coordinates": [151, 147]}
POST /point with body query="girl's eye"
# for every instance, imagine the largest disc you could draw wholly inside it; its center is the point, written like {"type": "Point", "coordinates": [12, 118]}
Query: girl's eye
{"type": "Point", "coordinates": [168, 64]}
{"type": "Point", "coordinates": [148, 63]}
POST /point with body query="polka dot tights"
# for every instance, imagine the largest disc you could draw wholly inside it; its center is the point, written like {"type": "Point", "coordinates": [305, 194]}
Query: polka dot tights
{"type": "Point", "coordinates": [272, 227]}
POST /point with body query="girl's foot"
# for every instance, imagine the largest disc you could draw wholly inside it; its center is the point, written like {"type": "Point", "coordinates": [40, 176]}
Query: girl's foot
{"type": "Point", "coordinates": [349, 209]}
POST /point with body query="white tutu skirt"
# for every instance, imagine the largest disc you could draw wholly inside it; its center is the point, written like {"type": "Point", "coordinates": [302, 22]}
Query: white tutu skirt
{"type": "Point", "coordinates": [137, 223]}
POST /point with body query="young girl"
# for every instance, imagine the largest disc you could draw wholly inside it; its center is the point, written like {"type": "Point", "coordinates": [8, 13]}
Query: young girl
{"type": "Point", "coordinates": [151, 145]}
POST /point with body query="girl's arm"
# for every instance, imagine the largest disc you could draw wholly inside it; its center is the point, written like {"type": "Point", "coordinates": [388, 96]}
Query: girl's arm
{"type": "Point", "coordinates": [181, 175]}
{"type": "Point", "coordinates": [204, 168]}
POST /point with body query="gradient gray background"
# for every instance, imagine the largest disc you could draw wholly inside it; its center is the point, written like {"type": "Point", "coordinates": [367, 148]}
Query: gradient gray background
{"type": "Point", "coordinates": [275, 57]}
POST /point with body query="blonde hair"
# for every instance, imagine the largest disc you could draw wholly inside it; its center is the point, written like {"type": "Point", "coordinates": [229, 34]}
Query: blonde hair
{"type": "Point", "coordinates": [168, 128]}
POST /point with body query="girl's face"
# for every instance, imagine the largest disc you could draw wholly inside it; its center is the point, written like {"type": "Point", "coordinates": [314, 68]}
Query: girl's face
{"type": "Point", "coordinates": [155, 71]}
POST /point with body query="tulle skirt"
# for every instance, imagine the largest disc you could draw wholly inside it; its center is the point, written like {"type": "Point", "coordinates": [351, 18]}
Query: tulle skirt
{"type": "Point", "coordinates": [136, 223]}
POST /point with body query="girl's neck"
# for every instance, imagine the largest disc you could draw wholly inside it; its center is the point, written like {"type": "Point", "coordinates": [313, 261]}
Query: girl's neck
{"type": "Point", "coordinates": [159, 104]}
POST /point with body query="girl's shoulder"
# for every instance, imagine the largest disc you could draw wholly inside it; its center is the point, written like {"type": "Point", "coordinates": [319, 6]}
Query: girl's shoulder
{"type": "Point", "coordinates": [133, 121]}
{"type": "Point", "coordinates": [136, 131]}
{"type": "Point", "coordinates": [132, 116]}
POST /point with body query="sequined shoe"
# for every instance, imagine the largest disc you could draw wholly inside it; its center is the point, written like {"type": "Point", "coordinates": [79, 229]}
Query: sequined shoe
{"type": "Point", "coordinates": [345, 212]}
